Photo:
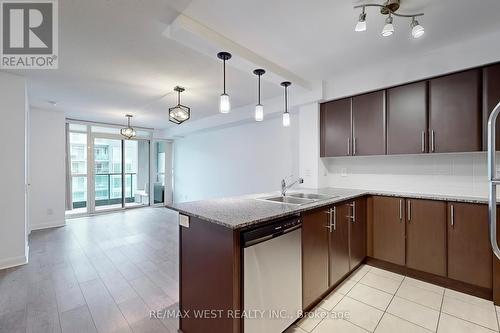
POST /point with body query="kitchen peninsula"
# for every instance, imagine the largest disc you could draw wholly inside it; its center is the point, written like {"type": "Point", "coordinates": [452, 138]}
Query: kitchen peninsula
{"type": "Point", "coordinates": [339, 231]}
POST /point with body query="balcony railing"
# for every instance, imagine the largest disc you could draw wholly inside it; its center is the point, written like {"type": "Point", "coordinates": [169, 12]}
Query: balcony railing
{"type": "Point", "coordinates": [105, 188]}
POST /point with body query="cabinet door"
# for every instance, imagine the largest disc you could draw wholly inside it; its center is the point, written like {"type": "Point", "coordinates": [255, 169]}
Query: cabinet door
{"type": "Point", "coordinates": [469, 250]}
{"type": "Point", "coordinates": [454, 113]}
{"type": "Point", "coordinates": [491, 97]}
{"type": "Point", "coordinates": [339, 244]}
{"type": "Point", "coordinates": [426, 236]}
{"type": "Point", "coordinates": [407, 119]}
{"type": "Point", "coordinates": [336, 128]}
{"type": "Point", "coordinates": [368, 124]}
{"type": "Point", "coordinates": [314, 256]}
{"type": "Point", "coordinates": [357, 232]}
{"type": "Point", "coordinates": [388, 229]}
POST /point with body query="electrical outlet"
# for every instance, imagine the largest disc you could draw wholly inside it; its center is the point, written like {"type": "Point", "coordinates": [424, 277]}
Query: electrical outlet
{"type": "Point", "coordinates": [50, 211]}
{"type": "Point", "coordinates": [343, 172]}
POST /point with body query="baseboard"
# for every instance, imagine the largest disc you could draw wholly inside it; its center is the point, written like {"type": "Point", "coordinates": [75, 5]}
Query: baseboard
{"type": "Point", "coordinates": [14, 261]}
{"type": "Point", "coordinates": [434, 279]}
{"type": "Point", "coordinates": [52, 224]}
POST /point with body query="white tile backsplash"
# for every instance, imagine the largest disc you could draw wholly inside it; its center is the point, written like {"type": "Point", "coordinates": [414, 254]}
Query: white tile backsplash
{"type": "Point", "coordinates": [463, 174]}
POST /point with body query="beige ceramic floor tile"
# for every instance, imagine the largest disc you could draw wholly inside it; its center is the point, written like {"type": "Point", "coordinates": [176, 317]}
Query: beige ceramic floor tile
{"type": "Point", "coordinates": [358, 274]}
{"type": "Point", "coordinates": [415, 313]}
{"type": "Point", "coordinates": [470, 299]}
{"type": "Point", "coordinates": [338, 325]}
{"type": "Point", "coordinates": [345, 287]}
{"type": "Point", "coordinates": [294, 329]}
{"type": "Point", "coordinates": [309, 322]}
{"type": "Point", "coordinates": [470, 312]}
{"type": "Point", "coordinates": [393, 324]}
{"type": "Point", "coordinates": [371, 296]}
{"type": "Point", "coordinates": [387, 274]}
{"type": "Point", "coordinates": [331, 300]}
{"type": "Point", "coordinates": [420, 296]}
{"type": "Point", "coordinates": [424, 285]}
{"type": "Point", "coordinates": [450, 324]}
{"type": "Point", "coordinates": [380, 282]}
{"type": "Point", "coordinates": [359, 313]}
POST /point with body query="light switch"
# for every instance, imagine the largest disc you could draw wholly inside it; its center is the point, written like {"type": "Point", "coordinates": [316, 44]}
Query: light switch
{"type": "Point", "coordinates": [184, 221]}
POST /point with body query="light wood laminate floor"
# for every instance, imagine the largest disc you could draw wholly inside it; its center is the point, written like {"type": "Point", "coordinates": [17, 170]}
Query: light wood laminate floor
{"type": "Point", "coordinates": [97, 274]}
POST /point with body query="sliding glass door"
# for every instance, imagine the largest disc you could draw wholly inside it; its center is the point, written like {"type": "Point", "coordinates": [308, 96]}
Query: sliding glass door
{"type": "Point", "coordinates": [107, 172]}
{"type": "Point", "coordinates": [108, 193]}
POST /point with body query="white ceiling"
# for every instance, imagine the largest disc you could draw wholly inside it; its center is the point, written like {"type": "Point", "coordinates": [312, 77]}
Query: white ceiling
{"type": "Point", "coordinates": [114, 59]}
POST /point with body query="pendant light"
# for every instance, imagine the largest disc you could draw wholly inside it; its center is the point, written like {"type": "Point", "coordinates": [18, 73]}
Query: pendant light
{"type": "Point", "coordinates": [224, 103]}
{"type": "Point", "coordinates": [286, 115]}
{"type": "Point", "coordinates": [179, 113]}
{"type": "Point", "coordinates": [259, 108]}
{"type": "Point", "coordinates": [128, 132]}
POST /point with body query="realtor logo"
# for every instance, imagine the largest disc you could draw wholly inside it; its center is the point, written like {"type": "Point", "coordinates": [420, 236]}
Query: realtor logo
{"type": "Point", "coordinates": [29, 36]}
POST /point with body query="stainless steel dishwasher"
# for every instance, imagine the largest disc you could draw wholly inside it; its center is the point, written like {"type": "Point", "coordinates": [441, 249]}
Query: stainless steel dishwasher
{"type": "Point", "coordinates": [272, 276]}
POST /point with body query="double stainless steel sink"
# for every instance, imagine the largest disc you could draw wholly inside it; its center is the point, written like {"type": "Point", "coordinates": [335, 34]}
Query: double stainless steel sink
{"type": "Point", "coordinates": [299, 198]}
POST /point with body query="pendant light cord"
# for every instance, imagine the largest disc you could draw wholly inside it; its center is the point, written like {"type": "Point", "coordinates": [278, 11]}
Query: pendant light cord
{"type": "Point", "coordinates": [259, 89]}
{"type": "Point", "coordinates": [286, 99]}
{"type": "Point", "coordinates": [224, 76]}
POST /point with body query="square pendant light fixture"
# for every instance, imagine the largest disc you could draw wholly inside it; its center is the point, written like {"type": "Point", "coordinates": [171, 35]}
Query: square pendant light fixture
{"type": "Point", "coordinates": [179, 113]}
{"type": "Point", "coordinates": [128, 132]}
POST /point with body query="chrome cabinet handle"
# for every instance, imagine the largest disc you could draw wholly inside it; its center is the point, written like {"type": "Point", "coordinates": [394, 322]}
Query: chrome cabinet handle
{"type": "Point", "coordinates": [353, 215]}
{"type": "Point", "coordinates": [348, 146]}
{"type": "Point", "coordinates": [329, 226]}
{"type": "Point", "coordinates": [452, 211]}
{"type": "Point", "coordinates": [409, 211]}
{"type": "Point", "coordinates": [423, 141]}
{"type": "Point", "coordinates": [334, 218]}
{"type": "Point", "coordinates": [433, 141]}
{"type": "Point", "coordinates": [354, 146]}
{"type": "Point", "coordinates": [400, 209]}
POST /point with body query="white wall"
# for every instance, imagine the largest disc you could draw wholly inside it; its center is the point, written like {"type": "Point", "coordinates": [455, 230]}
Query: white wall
{"type": "Point", "coordinates": [13, 145]}
{"type": "Point", "coordinates": [47, 169]}
{"type": "Point", "coordinates": [243, 159]}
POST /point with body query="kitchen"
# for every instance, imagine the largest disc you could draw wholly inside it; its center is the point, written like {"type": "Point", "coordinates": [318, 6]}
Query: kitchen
{"type": "Point", "coordinates": [250, 167]}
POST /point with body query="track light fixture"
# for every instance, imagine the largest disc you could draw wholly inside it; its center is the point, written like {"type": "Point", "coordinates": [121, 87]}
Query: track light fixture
{"type": "Point", "coordinates": [389, 8]}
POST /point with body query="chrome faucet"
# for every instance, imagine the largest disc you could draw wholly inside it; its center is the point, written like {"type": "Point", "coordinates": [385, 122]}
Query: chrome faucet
{"type": "Point", "coordinates": [285, 187]}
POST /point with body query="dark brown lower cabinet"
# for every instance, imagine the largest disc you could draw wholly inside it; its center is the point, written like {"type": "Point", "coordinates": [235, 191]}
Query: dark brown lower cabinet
{"type": "Point", "coordinates": [426, 236]}
{"type": "Point", "coordinates": [315, 258]}
{"type": "Point", "coordinates": [339, 243]}
{"type": "Point", "coordinates": [387, 229]}
{"type": "Point", "coordinates": [469, 250]}
{"type": "Point", "coordinates": [357, 232]}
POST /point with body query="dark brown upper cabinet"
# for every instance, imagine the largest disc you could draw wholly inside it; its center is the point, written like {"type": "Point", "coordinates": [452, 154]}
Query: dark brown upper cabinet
{"type": "Point", "coordinates": [455, 119]}
{"type": "Point", "coordinates": [336, 128]}
{"type": "Point", "coordinates": [315, 256]}
{"type": "Point", "coordinates": [470, 258]}
{"type": "Point", "coordinates": [491, 97]}
{"type": "Point", "coordinates": [368, 124]}
{"type": "Point", "coordinates": [407, 119]}
{"type": "Point", "coordinates": [426, 236]}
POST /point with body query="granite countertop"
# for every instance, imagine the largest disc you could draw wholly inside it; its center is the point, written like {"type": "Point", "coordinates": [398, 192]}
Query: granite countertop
{"type": "Point", "coordinates": [243, 211]}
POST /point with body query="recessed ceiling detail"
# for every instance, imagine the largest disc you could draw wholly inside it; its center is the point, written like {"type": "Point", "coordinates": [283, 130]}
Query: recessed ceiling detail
{"type": "Point", "coordinates": [390, 8]}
